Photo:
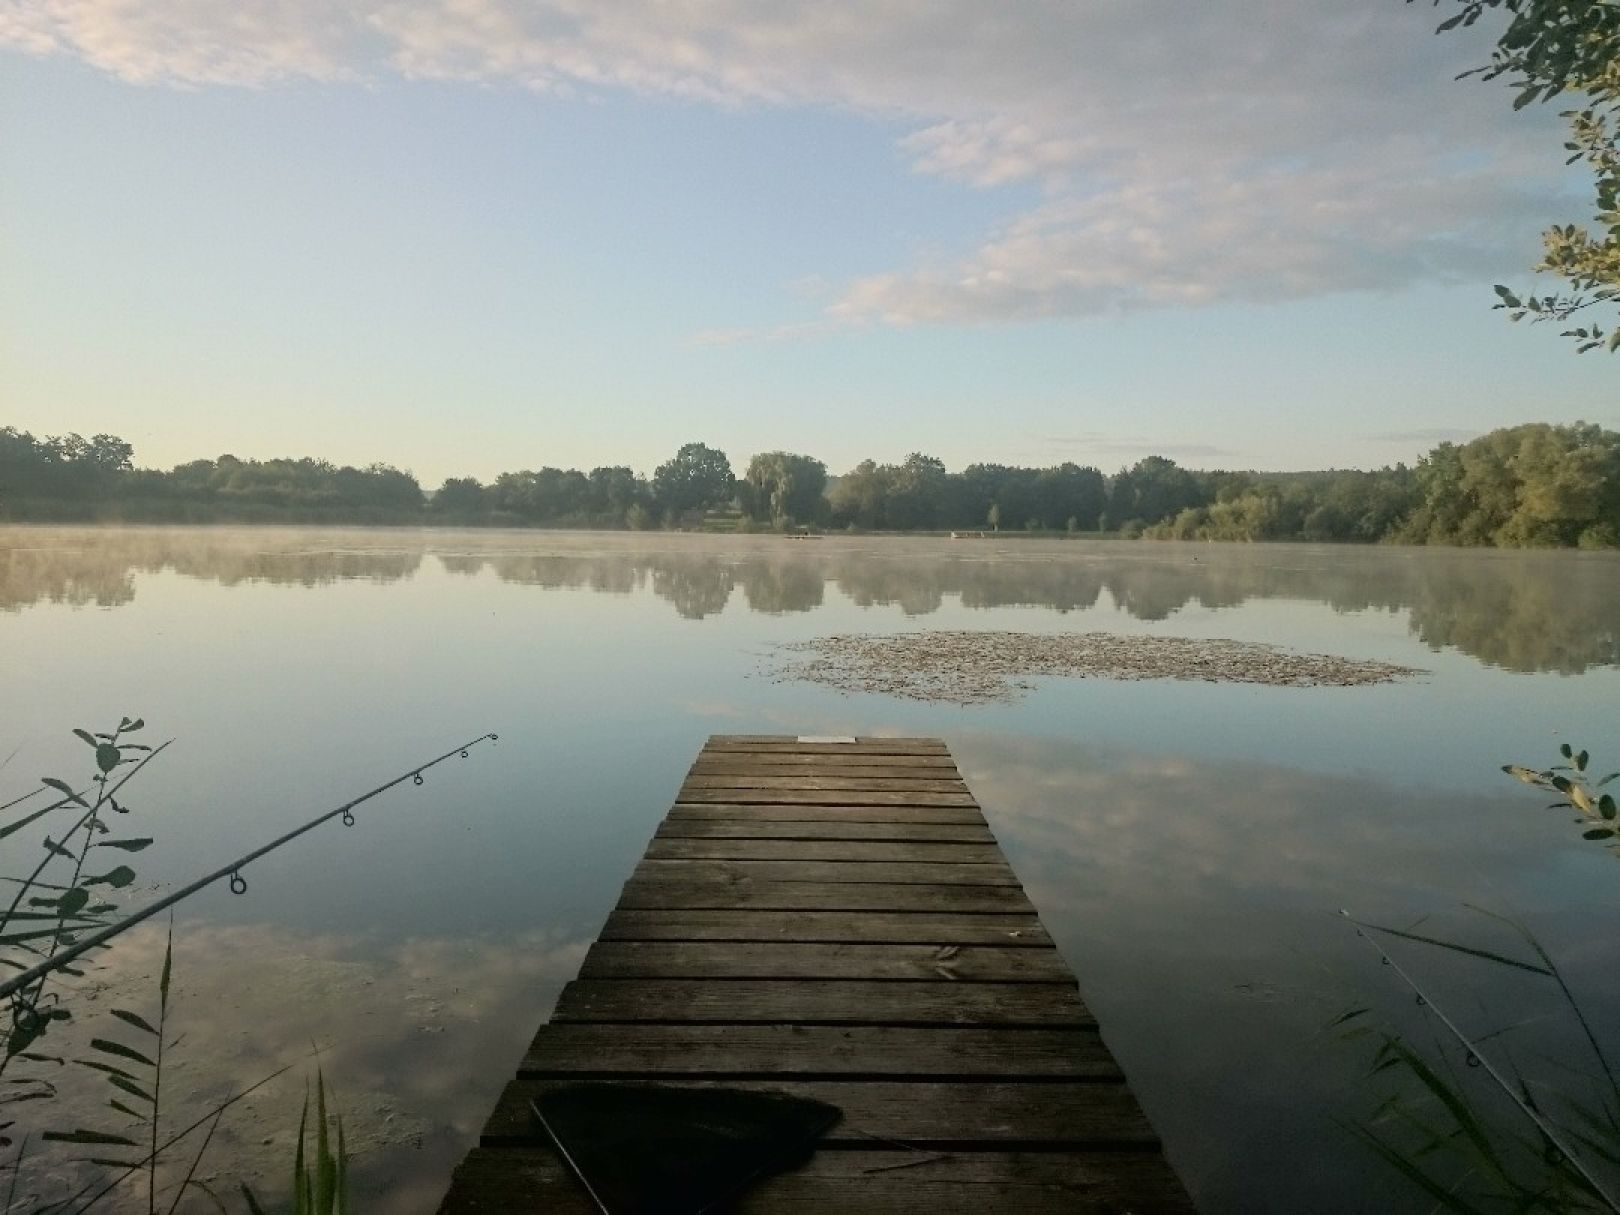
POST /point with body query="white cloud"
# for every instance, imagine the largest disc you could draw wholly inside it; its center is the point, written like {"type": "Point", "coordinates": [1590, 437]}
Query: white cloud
{"type": "Point", "coordinates": [1187, 154]}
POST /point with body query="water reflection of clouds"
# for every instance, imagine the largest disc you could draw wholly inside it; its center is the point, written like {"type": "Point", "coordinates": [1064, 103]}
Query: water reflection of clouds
{"type": "Point", "coordinates": [1198, 903]}
{"type": "Point", "coordinates": [1522, 611]}
{"type": "Point", "coordinates": [416, 1037]}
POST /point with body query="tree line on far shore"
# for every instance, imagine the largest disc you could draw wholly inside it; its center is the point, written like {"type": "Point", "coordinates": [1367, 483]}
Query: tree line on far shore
{"type": "Point", "coordinates": [1535, 485]}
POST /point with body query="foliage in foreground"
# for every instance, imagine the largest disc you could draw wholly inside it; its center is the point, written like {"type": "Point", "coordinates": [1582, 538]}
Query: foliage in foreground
{"type": "Point", "coordinates": [1471, 1129]}
{"type": "Point", "coordinates": [1554, 50]}
{"type": "Point", "coordinates": [55, 902]}
{"type": "Point", "coordinates": [1578, 791]}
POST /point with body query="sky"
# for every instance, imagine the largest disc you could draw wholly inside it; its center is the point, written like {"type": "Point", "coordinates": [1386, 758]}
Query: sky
{"type": "Point", "coordinates": [466, 236]}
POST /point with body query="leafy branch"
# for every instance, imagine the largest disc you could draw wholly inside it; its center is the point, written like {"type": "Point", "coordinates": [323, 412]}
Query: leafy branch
{"type": "Point", "coordinates": [1576, 790]}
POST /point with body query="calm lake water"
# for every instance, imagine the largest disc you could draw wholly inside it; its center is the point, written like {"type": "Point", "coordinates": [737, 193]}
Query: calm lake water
{"type": "Point", "coordinates": [1188, 844]}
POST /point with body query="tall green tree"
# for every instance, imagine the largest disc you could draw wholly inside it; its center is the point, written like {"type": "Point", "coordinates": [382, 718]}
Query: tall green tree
{"type": "Point", "coordinates": [461, 496]}
{"type": "Point", "coordinates": [1152, 489]}
{"type": "Point", "coordinates": [917, 494]}
{"type": "Point", "coordinates": [695, 478]}
{"type": "Point", "coordinates": [1531, 486]}
{"type": "Point", "coordinates": [1568, 50]}
{"type": "Point", "coordinates": [782, 487]}
{"type": "Point", "coordinates": [861, 496]}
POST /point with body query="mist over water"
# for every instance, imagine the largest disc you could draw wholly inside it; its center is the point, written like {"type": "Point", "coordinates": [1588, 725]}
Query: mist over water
{"type": "Point", "coordinates": [1188, 844]}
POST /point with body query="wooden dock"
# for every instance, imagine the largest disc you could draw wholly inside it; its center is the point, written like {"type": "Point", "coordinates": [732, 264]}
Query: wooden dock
{"type": "Point", "coordinates": [834, 919]}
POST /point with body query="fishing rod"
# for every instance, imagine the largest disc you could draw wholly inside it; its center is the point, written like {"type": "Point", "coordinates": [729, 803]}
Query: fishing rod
{"type": "Point", "coordinates": [22, 1009]}
{"type": "Point", "coordinates": [1476, 1057]}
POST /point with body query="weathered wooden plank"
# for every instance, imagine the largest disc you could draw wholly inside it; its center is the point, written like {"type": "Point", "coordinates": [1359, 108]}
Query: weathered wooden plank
{"type": "Point", "coordinates": [897, 1182]}
{"type": "Point", "coordinates": [902, 747]}
{"type": "Point", "coordinates": [722, 893]}
{"type": "Point", "coordinates": [821, 850]}
{"type": "Point", "coordinates": [832, 765]}
{"type": "Point", "coordinates": [836, 920]}
{"type": "Point", "coordinates": [755, 960]}
{"type": "Point", "coordinates": [934, 1115]}
{"type": "Point", "coordinates": [824, 797]}
{"type": "Point", "coordinates": [810, 1051]}
{"type": "Point", "coordinates": [823, 773]}
{"type": "Point", "coordinates": [821, 1002]}
{"type": "Point", "coordinates": [889, 873]}
{"type": "Point", "coordinates": [872, 927]}
{"type": "Point", "coordinates": [891, 784]}
{"type": "Point", "coordinates": [826, 814]}
{"type": "Point", "coordinates": [837, 829]}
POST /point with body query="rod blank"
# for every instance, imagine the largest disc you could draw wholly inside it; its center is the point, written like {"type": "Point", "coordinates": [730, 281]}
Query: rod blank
{"type": "Point", "coordinates": [232, 871]}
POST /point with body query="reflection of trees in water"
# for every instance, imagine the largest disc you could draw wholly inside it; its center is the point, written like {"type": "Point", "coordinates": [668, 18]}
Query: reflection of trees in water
{"type": "Point", "coordinates": [698, 587]}
{"type": "Point", "coordinates": [556, 571]}
{"type": "Point", "coordinates": [1522, 611]}
{"type": "Point", "coordinates": [89, 566]}
{"type": "Point", "coordinates": [782, 587]}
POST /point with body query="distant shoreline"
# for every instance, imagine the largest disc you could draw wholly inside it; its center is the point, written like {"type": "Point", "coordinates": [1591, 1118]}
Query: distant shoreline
{"type": "Point", "coordinates": [655, 534]}
{"type": "Point", "coordinates": [1537, 485]}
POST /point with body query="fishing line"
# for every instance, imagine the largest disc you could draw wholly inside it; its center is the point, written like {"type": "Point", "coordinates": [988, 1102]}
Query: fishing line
{"type": "Point", "coordinates": [1476, 1057]}
{"type": "Point", "coordinates": [19, 983]}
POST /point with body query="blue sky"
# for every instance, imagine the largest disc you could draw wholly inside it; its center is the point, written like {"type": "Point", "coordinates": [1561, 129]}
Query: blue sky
{"type": "Point", "coordinates": [463, 236]}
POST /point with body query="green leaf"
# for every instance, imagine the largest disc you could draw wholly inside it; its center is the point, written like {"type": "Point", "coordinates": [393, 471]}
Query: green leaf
{"type": "Point", "coordinates": [73, 901]}
{"type": "Point", "coordinates": [107, 757]}
{"type": "Point", "coordinates": [168, 966]}
{"type": "Point", "coordinates": [138, 724]}
{"type": "Point", "coordinates": [1597, 833]}
{"type": "Point", "coordinates": [62, 787]}
{"type": "Point", "coordinates": [117, 878]}
{"type": "Point", "coordinates": [85, 734]}
{"type": "Point", "coordinates": [134, 845]}
{"type": "Point", "coordinates": [1580, 761]}
{"type": "Point", "coordinates": [301, 1188]}
{"type": "Point", "coordinates": [119, 1049]}
{"type": "Point", "coordinates": [1564, 750]}
{"type": "Point", "coordinates": [1606, 805]}
{"type": "Point", "coordinates": [1452, 947]}
{"type": "Point", "coordinates": [139, 1022]}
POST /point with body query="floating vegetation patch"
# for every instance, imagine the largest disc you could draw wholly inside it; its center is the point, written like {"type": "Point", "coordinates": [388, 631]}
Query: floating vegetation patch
{"type": "Point", "coordinates": [984, 667]}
